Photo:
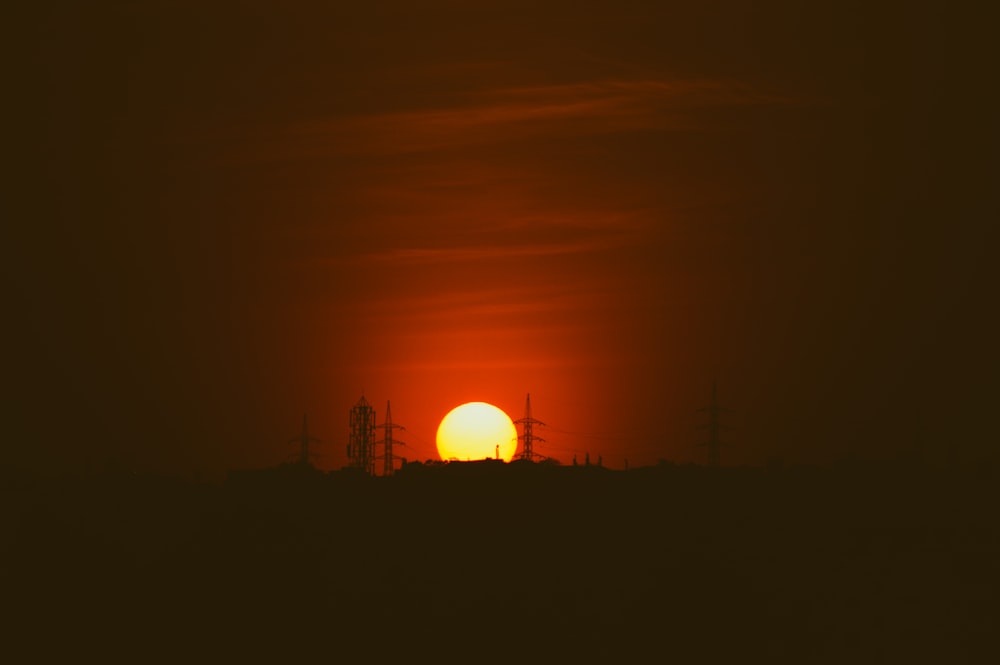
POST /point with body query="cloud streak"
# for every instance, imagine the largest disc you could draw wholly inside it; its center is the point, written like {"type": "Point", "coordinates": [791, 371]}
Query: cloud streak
{"type": "Point", "coordinates": [540, 174]}
{"type": "Point", "coordinates": [403, 256]}
{"type": "Point", "coordinates": [522, 113]}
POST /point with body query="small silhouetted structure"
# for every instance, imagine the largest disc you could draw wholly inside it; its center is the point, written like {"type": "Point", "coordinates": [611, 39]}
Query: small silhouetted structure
{"type": "Point", "coordinates": [714, 445]}
{"type": "Point", "coordinates": [388, 465]}
{"type": "Point", "coordinates": [361, 445]}
{"type": "Point", "coordinates": [528, 437]}
{"type": "Point", "coordinates": [304, 456]}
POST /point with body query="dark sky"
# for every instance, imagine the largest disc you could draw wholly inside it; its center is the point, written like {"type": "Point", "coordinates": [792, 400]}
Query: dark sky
{"type": "Point", "coordinates": [225, 214]}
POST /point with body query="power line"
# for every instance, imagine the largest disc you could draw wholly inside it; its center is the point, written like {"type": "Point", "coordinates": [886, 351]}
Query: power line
{"type": "Point", "coordinates": [611, 437]}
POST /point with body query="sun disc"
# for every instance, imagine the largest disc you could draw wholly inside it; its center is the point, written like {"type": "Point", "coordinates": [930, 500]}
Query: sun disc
{"type": "Point", "coordinates": [476, 431]}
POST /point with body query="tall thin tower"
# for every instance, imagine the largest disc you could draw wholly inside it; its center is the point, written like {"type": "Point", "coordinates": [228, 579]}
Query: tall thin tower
{"type": "Point", "coordinates": [714, 445]}
{"type": "Point", "coordinates": [304, 440]}
{"type": "Point", "coordinates": [361, 445]}
{"type": "Point", "coordinates": [387, 461]}
{"type": "Point", "coordinates": [527, 436]}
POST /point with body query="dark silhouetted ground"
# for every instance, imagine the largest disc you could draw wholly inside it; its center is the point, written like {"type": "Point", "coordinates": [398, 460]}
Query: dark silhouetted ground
{"type": "Point", "coordinates": [518, 563]}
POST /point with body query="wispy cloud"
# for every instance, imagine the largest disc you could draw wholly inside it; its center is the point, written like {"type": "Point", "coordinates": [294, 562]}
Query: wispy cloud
{"type": "Point", "coordinates": [518, 113]}
{"type": "Point", "coordinates": [511, 249]}
{"type": "Point", "coordinates": [505, 301]}
{"type": "Point", "coordinates": [504, 173]}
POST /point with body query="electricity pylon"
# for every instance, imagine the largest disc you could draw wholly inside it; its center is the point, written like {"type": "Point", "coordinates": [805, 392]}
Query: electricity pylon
{"type": "Point", "coordinates": [528, 437]}
{"type": "Point", "coordinates": [387, 441]}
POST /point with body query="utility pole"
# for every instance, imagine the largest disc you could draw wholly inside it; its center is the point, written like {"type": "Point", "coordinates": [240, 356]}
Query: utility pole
{"type": "Point", "coordinates": [528, 437]}
{"type": "Point", "coordinates": [714, 445]}
{"type": "Point", "coordinates": [304, 440]}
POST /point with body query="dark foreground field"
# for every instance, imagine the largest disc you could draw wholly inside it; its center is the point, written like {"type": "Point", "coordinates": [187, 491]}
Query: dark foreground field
{"type": "Point", "coordinates": [484, 563]}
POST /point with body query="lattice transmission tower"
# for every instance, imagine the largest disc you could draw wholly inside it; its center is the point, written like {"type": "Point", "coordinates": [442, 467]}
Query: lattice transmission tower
{"type": "Point", "coordinates": [361, 444]}
{"type": "Point", "coordinates": [388, 464]}
{"type": "Point", "coordinates": [527, 437]}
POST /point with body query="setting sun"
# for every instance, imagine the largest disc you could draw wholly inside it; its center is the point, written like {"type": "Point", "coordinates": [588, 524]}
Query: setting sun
{"type": "Point", "coordinates": [474, 431]}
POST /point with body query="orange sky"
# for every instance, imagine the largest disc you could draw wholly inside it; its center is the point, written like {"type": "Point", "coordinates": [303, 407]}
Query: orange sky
{"type": "Point", "coordinates": [236, 213]}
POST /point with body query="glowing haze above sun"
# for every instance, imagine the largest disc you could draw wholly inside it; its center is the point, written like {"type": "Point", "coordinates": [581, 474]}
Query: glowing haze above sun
{"type": "Point", "coordinates": [474, 430]}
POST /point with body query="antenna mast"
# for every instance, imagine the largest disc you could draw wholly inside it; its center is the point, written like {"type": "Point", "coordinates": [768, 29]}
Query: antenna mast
{"type": "Point", "coordinates": [361, 448]}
